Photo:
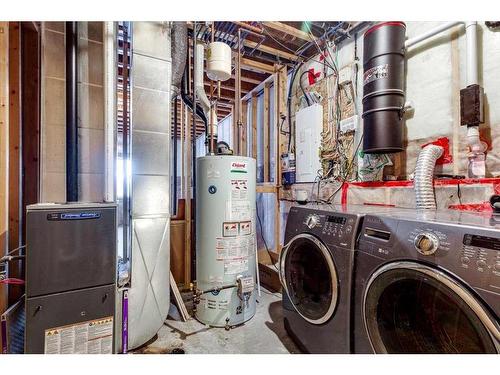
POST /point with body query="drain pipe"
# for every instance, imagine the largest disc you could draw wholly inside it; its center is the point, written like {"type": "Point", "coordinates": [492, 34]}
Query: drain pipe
{"type": "Point", "coordinates": [424, 177]}
{"type": "Point", "coordinates": [476, 155]}
{"type": "Point", "coordinates": [71, 112]}
{"type": "Point", "coordinates": [208, 109]}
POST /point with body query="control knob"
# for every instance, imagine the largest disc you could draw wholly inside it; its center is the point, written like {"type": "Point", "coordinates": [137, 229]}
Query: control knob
{"type": "Point", "coordinates": [426, 243]}
{"type": "Point", "coordinates": [312, 221]}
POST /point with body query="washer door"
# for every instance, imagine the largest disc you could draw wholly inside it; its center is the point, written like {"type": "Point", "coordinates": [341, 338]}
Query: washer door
{"type": "Point", "coordinates": [309, 278]}
{"type": "Point", "coordinates": [412, 308]}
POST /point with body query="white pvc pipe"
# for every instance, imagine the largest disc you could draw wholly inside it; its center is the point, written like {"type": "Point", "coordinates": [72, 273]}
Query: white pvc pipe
{"type": "Point", "coordinates": [472, 53]}
{"type": "Point", "coordinates": [198, 78]}
{"type": "Point", "coordinates": [429, 34]}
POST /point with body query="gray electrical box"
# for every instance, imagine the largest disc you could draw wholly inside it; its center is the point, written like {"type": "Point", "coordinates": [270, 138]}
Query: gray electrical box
{"type": "Point", "coordinates": [70, 278]}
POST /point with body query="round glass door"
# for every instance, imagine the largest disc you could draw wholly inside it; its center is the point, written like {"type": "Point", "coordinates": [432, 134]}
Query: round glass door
{"type": "Point", "coordinates": [309, 278]}
{"type": "Point", "coordinates": [412, 308]}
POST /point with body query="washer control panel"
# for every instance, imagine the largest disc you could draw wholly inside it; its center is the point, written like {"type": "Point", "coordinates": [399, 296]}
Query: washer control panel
{"type": "Point", "coordinates": [332, 227]}
{"type": "Point", "coordinates": [481, 253]}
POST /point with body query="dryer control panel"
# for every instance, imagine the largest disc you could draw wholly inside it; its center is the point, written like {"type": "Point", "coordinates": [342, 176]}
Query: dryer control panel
{"type": "Point", "coordinates": [334, 228]}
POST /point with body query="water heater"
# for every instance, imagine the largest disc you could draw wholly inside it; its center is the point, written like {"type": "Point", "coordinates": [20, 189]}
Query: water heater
{"type": "Point", "coordinates": [225, 240]}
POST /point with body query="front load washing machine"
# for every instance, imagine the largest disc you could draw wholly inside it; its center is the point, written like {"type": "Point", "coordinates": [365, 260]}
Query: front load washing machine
{"type": "Point", "coordinates": [427, 282]}
{"type": "Point", "coordinates": [316, 272]}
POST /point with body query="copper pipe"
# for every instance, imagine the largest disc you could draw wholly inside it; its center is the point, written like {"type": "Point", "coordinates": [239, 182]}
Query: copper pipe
{"type": "Point", "coordinates": [247, 26]}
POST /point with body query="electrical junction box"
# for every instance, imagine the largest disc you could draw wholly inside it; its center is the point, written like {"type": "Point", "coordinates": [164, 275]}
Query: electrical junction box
{"type": "Point", "coordinates": [472, 105]}
{"type": "Point", "coordinates": [308, 129]}
{"type": "Point", "coordinates": [288, 168]}
{"type": "Point", "coordinates": [349, 124]}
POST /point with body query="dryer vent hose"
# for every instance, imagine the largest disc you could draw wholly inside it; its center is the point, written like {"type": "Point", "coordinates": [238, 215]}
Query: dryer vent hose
{"type": "Point", "coordinates": [424, 176]}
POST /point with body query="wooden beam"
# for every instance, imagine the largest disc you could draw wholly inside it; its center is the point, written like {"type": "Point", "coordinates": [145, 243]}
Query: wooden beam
{"type": "Point", "coordinates": [284, 28]}
{"type": "Point", "coordinates": [15, 292]}
{"type": "Point", "coordinates": [4, 149]}
{"type": "Point", "coordinates": [267, 132]}
{"type": "Point", "coordinates": [266, 187]}
{"type": "Point", "coordinates": [254, 125]}
{"type": "Point", "coordinates": [256, 66]}
{"type": "Point", "coordinates": [270, 50]}
{"type": "Point", "coordinates": [30, 108]}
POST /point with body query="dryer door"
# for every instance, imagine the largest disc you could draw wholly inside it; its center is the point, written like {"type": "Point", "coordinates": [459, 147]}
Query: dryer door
{"type": "Point", "coordinates": [412, 308]}
{"type": "Point", "coordinates": [309, 278]}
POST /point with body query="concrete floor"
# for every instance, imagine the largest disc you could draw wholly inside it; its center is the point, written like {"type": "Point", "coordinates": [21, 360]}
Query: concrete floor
{"type": "Point", "coordinates": [263, 334]}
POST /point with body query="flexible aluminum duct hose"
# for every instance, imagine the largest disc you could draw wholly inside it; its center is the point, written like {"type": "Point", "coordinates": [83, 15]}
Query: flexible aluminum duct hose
{"type": "Point", "coordinates": [424, 176]}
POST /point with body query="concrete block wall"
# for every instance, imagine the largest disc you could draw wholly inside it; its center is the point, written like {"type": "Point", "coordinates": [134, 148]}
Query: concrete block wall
{"type": "Point", "coordinates": [90, 112]}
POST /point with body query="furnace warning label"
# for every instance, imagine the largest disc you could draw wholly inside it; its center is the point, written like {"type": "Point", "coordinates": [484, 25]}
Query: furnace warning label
{"type": "Point", "coordinates": [239, 190]}
{"type": "Point", "coordinates": [90, 337]}
{"type": "Point", "coordinates": [234, 248]}
{"type": "Point", "coordinates": [235, 266]}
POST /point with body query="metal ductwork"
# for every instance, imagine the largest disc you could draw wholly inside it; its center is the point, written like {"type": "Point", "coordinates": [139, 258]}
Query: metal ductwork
{"type": "Point", "coordinates": [179, 55]}
{"type": "Point", "coordinates": [383, 88]}
{"type": "Point", "coordinates": [424, 177]}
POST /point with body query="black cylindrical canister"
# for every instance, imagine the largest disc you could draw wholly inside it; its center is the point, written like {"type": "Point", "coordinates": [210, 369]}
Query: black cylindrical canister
{"type": "Point", "coordinates": [383, 88]}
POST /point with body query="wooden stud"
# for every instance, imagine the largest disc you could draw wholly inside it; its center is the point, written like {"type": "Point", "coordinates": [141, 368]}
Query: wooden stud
{"type": "Point", "coordinates": [254, 125]}
{"type": "Point", "coordinates": [4, 147]}
{"type": "Point", "coordinates": [30, 108]}
{"type": "Point", "coordinates": [15, 185]}
{"type": "Point", "coordinates": [187, 198]}
{"type": "Point", "coordinates": [266, 132]}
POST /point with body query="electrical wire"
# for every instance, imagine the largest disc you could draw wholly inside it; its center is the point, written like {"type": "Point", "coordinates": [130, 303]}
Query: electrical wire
{"type": "Point", "coordinates": [262, 236]}
{"type": "Point", "coordinates": [12, 281]}
{"type": "Point", "coordinates": [302, 87]}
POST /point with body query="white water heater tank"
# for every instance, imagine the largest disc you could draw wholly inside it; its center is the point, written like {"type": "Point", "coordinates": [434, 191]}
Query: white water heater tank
{"type": "Point", "coordinates": [219, 61]}
{"type": "Point", "coordinates": [225, 239]}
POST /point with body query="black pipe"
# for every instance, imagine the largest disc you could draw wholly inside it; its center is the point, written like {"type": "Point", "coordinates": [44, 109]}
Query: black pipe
{"type": "Point", "coordinates": [188, 101]}
{"type": "Point", "coordinates": [383, 88]}
{"type": "Point", "coordinates": [71, 112]}
{"type": "Point", "coordinates": [174, 192]}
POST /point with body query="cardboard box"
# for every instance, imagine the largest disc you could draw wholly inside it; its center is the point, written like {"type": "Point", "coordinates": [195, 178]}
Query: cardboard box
{"type": "Point", "coordinates": [268, 274]}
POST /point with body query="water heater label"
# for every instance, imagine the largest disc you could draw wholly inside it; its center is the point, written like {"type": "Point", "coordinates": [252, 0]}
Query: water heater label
{"type": "Point", "coordinates": [238, 211]}
{"type": "Point", "coordinates": [375, 73]}
{"type": "Point", "coordinates": [245, 227]}
{"type": "Point", "coordinates": [90, 337]}
{"type": "Point", "coordinates": [230, 229]}
{"type": "Point", "coordinates": [239, 190]}
{"type": "Point", "coordinates": [239, 167]}
{"type": "Point", "coordinates": [234, 248]}
{"type": "Point", "coordinates": [235, 266]}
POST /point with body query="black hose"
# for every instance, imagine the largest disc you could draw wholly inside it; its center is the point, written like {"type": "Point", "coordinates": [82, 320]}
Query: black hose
{"type": "Point", "coordinates": [289, 105]}
{"type": "Point", "coordinates": [302, 87]}
{"type": "Point", "coordinates": [188, 101]}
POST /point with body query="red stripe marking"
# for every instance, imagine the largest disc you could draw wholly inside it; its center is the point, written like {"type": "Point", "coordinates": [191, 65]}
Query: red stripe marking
{"type": "Point", "coordinates": [390, 23]}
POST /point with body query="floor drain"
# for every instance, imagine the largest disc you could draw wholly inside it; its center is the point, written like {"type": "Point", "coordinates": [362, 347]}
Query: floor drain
{"type": "Point", "coordinates": [178, 351]}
